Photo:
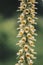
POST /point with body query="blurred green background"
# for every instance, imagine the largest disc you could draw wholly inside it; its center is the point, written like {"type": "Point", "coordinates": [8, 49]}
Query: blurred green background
{"type": "Point", "coordinates": [8, 32]}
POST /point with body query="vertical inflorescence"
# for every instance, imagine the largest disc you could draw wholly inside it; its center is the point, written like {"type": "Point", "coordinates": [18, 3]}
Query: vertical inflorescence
{"type": "Point", "coordinates": [27, 32]}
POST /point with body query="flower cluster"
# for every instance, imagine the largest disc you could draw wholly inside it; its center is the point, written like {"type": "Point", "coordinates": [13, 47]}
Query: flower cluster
{"type": "Point", "coordinates": [27, 32]}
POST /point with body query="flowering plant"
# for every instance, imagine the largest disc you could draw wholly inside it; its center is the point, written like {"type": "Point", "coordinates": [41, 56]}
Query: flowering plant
{"type": "Point", "coordinates": [27, 32]}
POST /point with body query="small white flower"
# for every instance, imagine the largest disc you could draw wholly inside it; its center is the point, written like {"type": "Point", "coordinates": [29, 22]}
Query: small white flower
{"type": "Point", "coordinates": [31, 25]}
{"type": "Point", "coordinates": [21, 26]}
{"type": "Point", "coordinates": [16, 64]}
{"type": "Point", "coordinates": [19, 61]}
{"type": "Point", "coordinates": [23, 22]}
{"type": "Point", "coordinates": [18, 43]}
{"type": "Point", "coordinates": [26, 11]}
{"type": "Point", "coordinates": [21, 42]}
{"type": "Point", "coordinates": [25, 48]}
{"type": "Point", "coordinates": [22, 6]}
{"type": "Point", "coordinates": [29, 18]}
{"type": "Point", "coordinates": [20, 33]}
{"type": "Point", "coordinates": [35, 34]}
{"type": "Point", "coordinates": [21, 58]}
{"type": "Point", "coordinates": [22, 64]}
{"type": "Point", "coordinates": [28, 2]}
{"type": "Point", "coordinates": [18, 28]}
{"type": "Point", "coordinates": [32, 28]}
{"type": "Point", "coordinates": [33, 1]}
{"type": "Point", "coordinates": [33, 38]}
{"type": "Point", "coordinates": [31, 62]}
{"type": "Point", "coordinates": [31, 43]}
{"type": "Point", "coordinates": [21, 17]}
{"type": "Point", "coordinates": [36, 18]}
{"type": "Point", "coordinates": [32, 50]}
{"type": "Point", "coordinates": [28, 55]}
{"type": "Point", "coordinates": [24, 39]}
{"type": "Point", "coordinates": [33, 15]}
{"type": "Point", "coordinates": [33, 6]}
{"type": "Point", "coordinates": [32, 21]}
{"type": "Point", "coordinates": [32, 10]}
{"type": "Point", "coordinates": [32, 56]}
{"type": "Point", "coordinates": [26, 29]}
{"type": "Point", "coordinates": [29, 36]}
{"type": "Point", "coordinates": [20, 52]}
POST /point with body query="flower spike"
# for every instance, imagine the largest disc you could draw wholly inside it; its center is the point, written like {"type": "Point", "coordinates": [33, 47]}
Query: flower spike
{"type": "Point", "coordinates": [27, 32]}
